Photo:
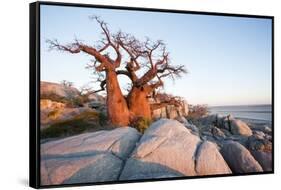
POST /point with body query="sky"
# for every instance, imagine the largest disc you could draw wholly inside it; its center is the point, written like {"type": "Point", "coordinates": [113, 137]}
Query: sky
{"type": "Point", "coordinates": [228, 58]}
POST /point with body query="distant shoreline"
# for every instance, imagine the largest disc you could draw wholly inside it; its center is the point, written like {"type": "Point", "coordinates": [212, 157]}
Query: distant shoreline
{"type": "Point", "coordinates": [248, 105]}
{"type": "Point", "coordinates": [254, 113]}
{"type": "Point", "coordinates": [256, 121]}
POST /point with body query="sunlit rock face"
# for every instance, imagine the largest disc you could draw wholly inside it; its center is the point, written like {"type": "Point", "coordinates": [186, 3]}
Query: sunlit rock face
{"type": "Point", "coordinates": [170, 111]}
{"type": "Point", "coordinates": [167, 149]}
{"type": "Point", "coordinates": [49, 88]}
{"type": "Point", "coordinates": [209, 161]}
{"type": "Point", "coordinates": [52, 112]}
{"type": "Point", "coordinates": [89, 157]}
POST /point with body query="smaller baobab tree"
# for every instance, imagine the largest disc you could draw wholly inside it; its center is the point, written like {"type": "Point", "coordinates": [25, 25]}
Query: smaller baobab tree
{"type": "Point", "coordinates": [145, 64]}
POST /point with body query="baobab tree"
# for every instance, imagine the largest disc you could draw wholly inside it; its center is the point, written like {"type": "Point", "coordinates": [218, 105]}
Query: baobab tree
{"type": "Point", "coordinates": [145, 64]}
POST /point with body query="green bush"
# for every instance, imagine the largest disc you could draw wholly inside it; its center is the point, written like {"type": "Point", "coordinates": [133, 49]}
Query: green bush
{"type": "Point", "coordinates": [103, 118]}
{"type": "Point", "coordinates": [141, 124]}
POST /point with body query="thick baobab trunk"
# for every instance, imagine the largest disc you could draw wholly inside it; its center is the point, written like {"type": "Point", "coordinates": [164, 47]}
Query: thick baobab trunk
{"type": "Point", "coordinates": [122, 110]}
{"type": "Point", "coordinates": [117, 108]}
{"type": "Point", "coordinates": [138, 103]}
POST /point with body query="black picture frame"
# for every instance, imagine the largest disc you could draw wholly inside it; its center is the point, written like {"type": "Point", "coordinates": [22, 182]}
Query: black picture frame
{"type": "Point", "coordinates": [34, 90]}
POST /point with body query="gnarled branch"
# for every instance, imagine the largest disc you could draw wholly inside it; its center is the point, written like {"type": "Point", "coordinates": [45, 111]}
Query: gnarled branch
{"type": "Point", "coordinates": [165, 100]}
{"type": "Point", "coordinates": [109, 41]}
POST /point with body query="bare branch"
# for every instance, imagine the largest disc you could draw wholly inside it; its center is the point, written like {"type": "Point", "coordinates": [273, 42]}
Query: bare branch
{"type": "Point", "coordinates": [104, 47]}
{"type": "Point", "coordinates": [165, 100]}
{"type": "Point", "coordinates": [102, 88]}
{"type": "Point", "coordinates": [110, 41]}
{"type": "Point", "coordinates": [162, 61]}
{"type": "Point", "coordinates": [71, 48]}
{"type": "Point", "coordinates": [77, 47]}
{"type": "Point", "coordinates": [173, 71]}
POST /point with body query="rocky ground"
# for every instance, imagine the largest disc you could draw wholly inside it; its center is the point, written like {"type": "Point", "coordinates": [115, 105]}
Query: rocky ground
{"type": "Point", "coordinates": [77, 146]}
{"type": "Point", "coordinates": [168, 148]}
{"type": "Point", "coordinates": [65, 111]}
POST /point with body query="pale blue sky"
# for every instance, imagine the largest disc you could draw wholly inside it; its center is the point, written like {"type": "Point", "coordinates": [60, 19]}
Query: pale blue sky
{"type": "Point", "coordinates": [228, 58]}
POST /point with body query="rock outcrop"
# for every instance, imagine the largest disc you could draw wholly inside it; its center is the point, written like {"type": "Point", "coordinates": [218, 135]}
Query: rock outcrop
{"type": "Point", "coordinates": [209, 161]}
{"type": "Point", "coordinates": [188, 125]}
{"type": "Point", "coordinates": [90, 157]}
{"type": "Point", "coordinates": [261, 148]}
{"type": "Point", "coordinates": [235, 126]}
{"type": "Point", "coordinates": [46, 104]}
{"type": "Point", "coordinates": [254, 138]}
{"type": "Point", "coordinates": [49, 88]}
{"type": "Point", "coordinates": [167, 148]}
{"type": "Point", "coordinates": [52, 112]}
{"type": "Point", "coordinates": [239, 158]}
{"type": "Point", "coordinates": [264, 128]}
{"type": "Point", "coordinates": [238, 127]}
{"type": "Point", "coordinates": [264, 159]}
{"type": "Point", "coordinates": [171, 111]}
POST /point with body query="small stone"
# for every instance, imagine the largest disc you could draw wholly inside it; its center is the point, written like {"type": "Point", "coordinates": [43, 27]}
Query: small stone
{"type": "Point", "coordinates": [218, 133]}
{"type": "Point", "coordinates": [239, 127]}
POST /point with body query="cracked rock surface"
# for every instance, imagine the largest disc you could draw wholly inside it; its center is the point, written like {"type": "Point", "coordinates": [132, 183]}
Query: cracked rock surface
{"type": "Point", "coordinates": [168, 148]}
{"type": "Point", "coordinates": [89, 157]}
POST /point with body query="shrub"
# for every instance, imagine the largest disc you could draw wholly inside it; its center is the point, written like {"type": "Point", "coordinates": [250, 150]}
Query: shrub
{"type": "Point", "coordinates": [65, 128]}
{"type": "Point", "coordinates": [103, 118]}
{"type": "Point", "coordinates": [88, 115]}
{"type": "Point", "coordinates": [141, 124]}
{"type": "Point", "coordinates": [71, 101]}
{"type": "Point", "coordinates": [85, 121]}
{"type": "Point", "coordinates": [197, 111]}
{"type": "Point", "coordinates": [53, 114]}
{"type": "Point", "coordinates": [54, 97]}
{"type": "Point", "coordinates": [77, 101]}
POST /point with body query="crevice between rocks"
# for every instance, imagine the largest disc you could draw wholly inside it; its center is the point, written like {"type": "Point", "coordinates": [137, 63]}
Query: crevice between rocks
{"type": "Point", "coordinates": [48, 173]}
{"type": "Point", "coordinates": [198, 147]}
{"type": "Point", "coordinates": [125, 160]}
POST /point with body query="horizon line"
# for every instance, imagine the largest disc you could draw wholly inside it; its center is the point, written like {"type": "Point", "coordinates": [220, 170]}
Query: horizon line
{"type": "Point", "coordinates": [263, 104]}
